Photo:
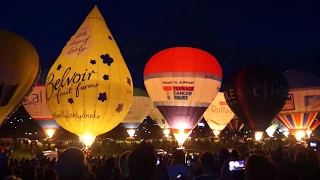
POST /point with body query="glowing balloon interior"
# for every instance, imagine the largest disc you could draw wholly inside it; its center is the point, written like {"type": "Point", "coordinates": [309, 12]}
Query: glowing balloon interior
{"type": "Point", "coordinates": [89, 87]}
{"type": "Point", "coordinates": [139, 109]}
{"type": "Point", "coordinates": [19, 71]}
{"type": "Point", "coordinates": [218, 114]}
{"type": "Point", "coordinates": [36, 105]}
{"type": "Point", "coordinates": [182, 82]}
{"type": "Point", "coordinates": [302, 105]}
{"type": "Point", "coordinates": [271, 129]}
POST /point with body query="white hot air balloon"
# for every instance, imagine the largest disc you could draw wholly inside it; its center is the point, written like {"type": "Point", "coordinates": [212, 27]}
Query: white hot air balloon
{"type": "Point", "coordinates": [139, 109]}
{"type": "Point", "coordinates": [156, 115]}
{"type": "Point", "coordinates": [218, 114]}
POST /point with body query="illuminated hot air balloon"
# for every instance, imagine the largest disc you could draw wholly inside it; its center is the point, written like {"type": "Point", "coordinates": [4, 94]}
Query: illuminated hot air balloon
{"type": "Point", "coordinates": [19, 71]}
{"type": "Point", "coordinates": [235, 125]}
{"type": "Point", "coordinates": [89, 87]}
{"type": "Point", "coordinates": [256, 95]}
{"type": "Point", "coordinates": [36, 105]}
{"type": "Point", "coordinates": [272, 128]}
{"type": "Point", "coordinates": [314, 125]}
{"type": "Point", "coordinates": [303, 102]}
{"type": "Point", "coordinates": [139, 110]}
{"type": "Point", "coordinates": [282, 128]}
{"type": "Point", "coordinates": [156, 115]}
{"type": "Point", "coordinates": [218, 114]}
{"type": "Point", "coordinates": [182, 82]}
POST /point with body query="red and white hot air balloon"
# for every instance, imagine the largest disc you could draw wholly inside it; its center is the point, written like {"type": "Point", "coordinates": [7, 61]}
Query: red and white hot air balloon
{"type": "Point", "coordinates": [182, 82]}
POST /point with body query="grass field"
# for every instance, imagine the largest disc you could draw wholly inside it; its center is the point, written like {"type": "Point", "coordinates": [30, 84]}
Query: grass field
{"type": "Point", "coordinates": [117, 149]}
{"type": "Point", "coordinates": [97, 150]}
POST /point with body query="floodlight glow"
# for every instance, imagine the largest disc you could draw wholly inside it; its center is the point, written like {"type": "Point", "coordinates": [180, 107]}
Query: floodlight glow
{"type": "Point", "coordinates": [131, 132]}
{"type": "Point", "coordinates": [50, 132]}
{"type": "Point", "coordinates": [181, 136]}
{"type": "Point", "coordinates": [309, 132]}
{"type": "Point", "coordinates": [216, 132]}
{"type": "Point", "coordinates": [258, 135]}
{"type": "Point", "coordinates": [299, 135]}
{"type": "Point", "coordinates": [166, 132]}
{"type": "Point", "coordinates": [87, 139]}
{"type": "Point", "coordinates": [286, 133]}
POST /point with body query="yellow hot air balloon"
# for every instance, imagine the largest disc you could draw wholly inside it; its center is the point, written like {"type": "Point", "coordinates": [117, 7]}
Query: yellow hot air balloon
{"type": "Point", "coordinates": [156, 115]}
{"type": "Point", "coordinates": [19, 71]}
{"type": "Point", "coordinates": [139, 110]}
{"type": "Point", "coordinates": [218, 115]}
{"type": "Point", "coordinates": [89, 87]}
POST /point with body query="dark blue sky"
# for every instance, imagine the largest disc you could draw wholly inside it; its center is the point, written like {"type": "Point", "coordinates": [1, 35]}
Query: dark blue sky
{"type": "Point", "coordinates": [280, 34]}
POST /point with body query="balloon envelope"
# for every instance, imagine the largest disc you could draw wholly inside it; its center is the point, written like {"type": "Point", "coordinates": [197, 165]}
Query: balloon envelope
{"type": "Point", "coordinates": [156, 115]}
{"type": "Point", "coordinates": [182, 82]}
{"type": "Point", "coordinates": [139, 109]}
{"type": "Point", "coordinates": [218, 114]}
{"type": "Point", "coordinates": [302, 105]}
{"type": "Point", "coordinates": [89, 87]}
{"type": "Point", "coordinates": [235, 125]}
{"type": "Point", "coordinates": [271, 129]}
{"type": "Point", "coordinates": [19, 71]}
{"type": "Point", "coordinates": [314, 125]}
{"type": "Point", "coordinates": [36, 105]}
{"type": "Point", "coordinates": [256, 95]}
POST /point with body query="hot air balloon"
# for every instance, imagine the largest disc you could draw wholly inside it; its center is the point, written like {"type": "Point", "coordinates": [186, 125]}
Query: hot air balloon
{"type": "Point", "coordinates": [272, 128]}
{"type": "Point", "coordinates": [282, 128]}
{"type": "Point", "coordinates": [19, 71]}
{"type": "Point", "coordinates": [256, 95]}
{"type": "Point", "coordinates": [314, 125]}
{"type": "Point", "coordinates": [218, 114]}
{"type": "Point", "coordinates": [182, 82]}
{"type": "Point", "coordinates": [89, 87]}
{"type": "Point", "coordinates": [36, 105]}
{"type": "Point", "coordinates": [139, 110]}
{"type": "Point", "coordinates": [235, 125]}
{"type": "Point", "coordinates": [303, 102]}
{"type": "Point", "coordinates": [156, 115]}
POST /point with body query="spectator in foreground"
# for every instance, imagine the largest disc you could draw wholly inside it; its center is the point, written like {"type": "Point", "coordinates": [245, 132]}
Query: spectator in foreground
{"type": "Point", "coordinates": [71, 165]}
{"type": "Point", "coordinates": [50, 174]}
{"type": "Point", "coordinates": [142, 163]}
{"type": "Point", "coordinates": [124, 173]}
{"type": "Point", "coordinates": [259, 167]}
{"type": "Point", "coordinates": [178, 169]}
{"type": "Point", "coordinates": [207, 163]}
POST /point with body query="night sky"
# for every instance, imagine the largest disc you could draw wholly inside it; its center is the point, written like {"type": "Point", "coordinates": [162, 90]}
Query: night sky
{"type": "Point", "coordinates": [280, 34]}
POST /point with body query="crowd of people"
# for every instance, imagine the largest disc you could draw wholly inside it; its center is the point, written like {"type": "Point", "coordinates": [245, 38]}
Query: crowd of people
{"type": "Point", "coordinates": [143, 163]}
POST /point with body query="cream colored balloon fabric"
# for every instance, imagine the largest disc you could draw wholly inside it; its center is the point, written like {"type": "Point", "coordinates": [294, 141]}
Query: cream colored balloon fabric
{"type": "Point", "coordinates": [218, 114]}
{"type": "Point", "coordinates": [139, 109]}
